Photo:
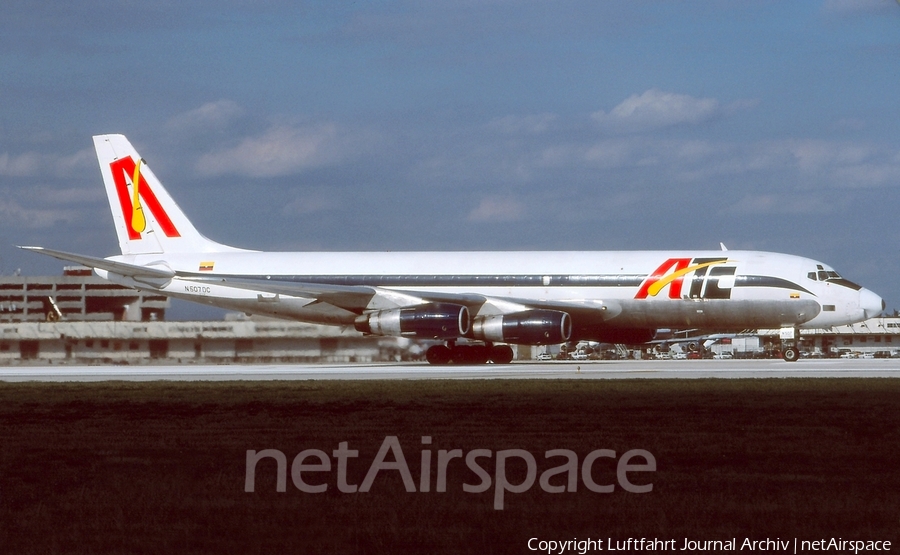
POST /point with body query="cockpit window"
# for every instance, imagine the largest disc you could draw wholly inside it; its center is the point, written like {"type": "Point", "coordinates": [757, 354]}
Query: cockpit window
{"type": "Point", "coordinates": [830, 276]}
{"type": "Point", "coordinates": [846, 283]}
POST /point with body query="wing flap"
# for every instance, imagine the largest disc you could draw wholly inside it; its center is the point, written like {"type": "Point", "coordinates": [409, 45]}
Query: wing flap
{"type": "Point", "coordinates": [355, 298]}
{"type": "Point", "coordinates": [348, 297]}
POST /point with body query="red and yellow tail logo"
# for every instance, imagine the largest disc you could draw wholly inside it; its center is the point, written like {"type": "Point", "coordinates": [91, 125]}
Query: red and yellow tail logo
{"type": "Point", "coordinates": [672, 272]}
{"type": "Point", "coordinates": [132, 209]}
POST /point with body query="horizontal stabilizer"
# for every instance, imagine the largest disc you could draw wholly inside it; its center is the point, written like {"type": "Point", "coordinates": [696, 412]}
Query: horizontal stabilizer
{"type": "Point", "coordinates": [121, 268]}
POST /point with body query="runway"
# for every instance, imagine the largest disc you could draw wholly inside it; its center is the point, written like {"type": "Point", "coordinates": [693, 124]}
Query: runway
{"type": "Point", "coordinates": [599, 370]}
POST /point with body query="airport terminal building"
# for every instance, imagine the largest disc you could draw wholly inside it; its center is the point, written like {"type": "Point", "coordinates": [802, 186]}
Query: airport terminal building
{"type": "Point", "coordinates": [77, 295]}
{"type": "Point", "coordinates": [135, 342]}
{"type": "Point", "coordinates": [79, 318]}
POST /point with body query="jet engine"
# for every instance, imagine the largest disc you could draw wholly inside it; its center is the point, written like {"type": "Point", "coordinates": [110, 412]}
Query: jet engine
{"type": "Point", "coordinates": [425, 321]}
{"type": "Point", "coordinates": [530, 327]}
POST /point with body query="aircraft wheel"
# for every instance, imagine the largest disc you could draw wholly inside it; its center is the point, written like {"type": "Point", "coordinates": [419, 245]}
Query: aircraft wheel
{"type": "Point", "coordinates": [469, 354]}
{"type": "Point", "coordinates": [480, 354]}
{"type": "Point", "coordinates": [438, 354]}
{"type": "Point", "coordinates": [791, 354]}
{"type": "Point", "coordinates": [501, 354]}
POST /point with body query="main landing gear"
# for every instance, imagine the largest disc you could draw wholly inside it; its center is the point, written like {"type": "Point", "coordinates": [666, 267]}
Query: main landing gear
{"type": "Point", "coordinates": [469, 354]}
{"type": "Point", "coordinates": [789, 339]}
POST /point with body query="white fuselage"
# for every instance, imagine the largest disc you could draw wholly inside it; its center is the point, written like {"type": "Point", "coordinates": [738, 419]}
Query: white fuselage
{"type": "Point", "coordinates": [713, 289]}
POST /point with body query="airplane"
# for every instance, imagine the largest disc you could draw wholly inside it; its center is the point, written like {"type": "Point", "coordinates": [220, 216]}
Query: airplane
{"type": "Point", "coordinates": [475, 304]}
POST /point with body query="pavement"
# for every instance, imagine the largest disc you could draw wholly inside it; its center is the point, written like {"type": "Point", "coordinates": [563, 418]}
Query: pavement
{"type": "Point", "coordinates": [584, 370]}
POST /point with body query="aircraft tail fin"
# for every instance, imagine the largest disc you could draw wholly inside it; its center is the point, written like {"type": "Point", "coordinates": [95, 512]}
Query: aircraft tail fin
{"type": "Point", "coordinates": [147, 219]}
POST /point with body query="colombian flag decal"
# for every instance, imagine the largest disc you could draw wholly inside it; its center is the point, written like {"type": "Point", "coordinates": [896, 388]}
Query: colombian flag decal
{"type": "Point", "coordinates": [206, 266]}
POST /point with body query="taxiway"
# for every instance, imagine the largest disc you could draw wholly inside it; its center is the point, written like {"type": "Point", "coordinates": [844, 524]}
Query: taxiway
{"type": "Point", "coordinates": [725, 369]}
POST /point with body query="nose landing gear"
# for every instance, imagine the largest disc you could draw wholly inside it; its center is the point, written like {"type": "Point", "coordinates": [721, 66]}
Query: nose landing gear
{"type": "Point", "coordinates": [789, 339]}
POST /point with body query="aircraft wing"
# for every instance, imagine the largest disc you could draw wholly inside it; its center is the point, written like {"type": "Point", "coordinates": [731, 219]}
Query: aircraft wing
{"type": "Point", "coordinates": [575, 318]}
{"type": "Point", "coordinates": [359, 298]}
{"type": "Point", "coordinates": [354, 298]}
{"type": "Point", "coordinates": [346, 300]}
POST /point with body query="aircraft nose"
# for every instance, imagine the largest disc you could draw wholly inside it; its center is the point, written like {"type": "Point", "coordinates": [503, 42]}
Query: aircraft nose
{"type": "Point", "coordinates": [871, 304]}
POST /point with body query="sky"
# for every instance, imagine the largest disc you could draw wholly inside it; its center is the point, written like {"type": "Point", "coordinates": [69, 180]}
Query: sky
{"type": "Point", "coordinates": [464, 125]}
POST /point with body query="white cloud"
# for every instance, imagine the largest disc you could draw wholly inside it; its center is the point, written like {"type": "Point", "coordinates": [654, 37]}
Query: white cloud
{"type": "Point", "coordinates": [498, 209]}
{"type": "Point", "coordinates": [30, 164]}
{"type": "Point", "coordinates": [867, 175]}
{"type": "Point", "coordinates": [310, 203]}
{"type": "Point", "coordinates": [279, 151]}
{"type": "Point", "coordinates": [12, 213]}
{"type": "Point", "coordinates": [810, 163]}
{"type": "Point", "coordinates": [611, 154]}
{"type": "Point", "coordinates": [20, 165]}
{"type": "Point", "coordinates": [781, 204]}
{"type": "Point", "coordinates": [846, 164]}
{"type": "Point", "coordinates": [813, 155]}
{"type": "Point", "coordinates": [210, 116]}
{"type": "Point", "coordinates": [655, 108]}
{"type": "Point", "coordinates": [849, 124]}
{"type": "Point", "coordinates": [79, 161]}
{"type": "Point", "coordinates": [529, 125]}
{"type": "Point", "coordinates": [67, 196]}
